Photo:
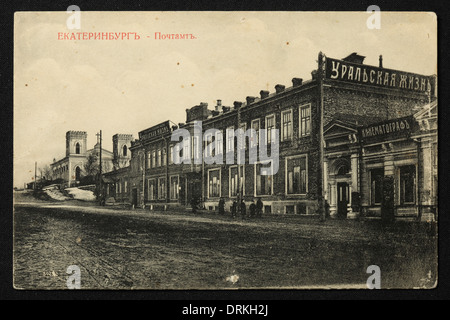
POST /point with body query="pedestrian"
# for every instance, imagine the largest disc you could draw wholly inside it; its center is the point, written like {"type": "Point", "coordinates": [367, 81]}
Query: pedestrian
{"type": "Point", "coordinates": [252, 209]}
{"type": "Point", "coordinates": [194, 205]}
{"type": "Point", "coordinates": [221, 206]}
{"type": "Point", "coordinates": [243, 209]}
{"type": "Point", "coordinates": [233, 208]}
{"type": "Point", "coordinates": [259, 208]}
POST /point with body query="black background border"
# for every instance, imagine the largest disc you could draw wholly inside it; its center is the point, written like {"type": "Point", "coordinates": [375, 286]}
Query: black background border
{"type": "Point", "coordinates": [280, 299]}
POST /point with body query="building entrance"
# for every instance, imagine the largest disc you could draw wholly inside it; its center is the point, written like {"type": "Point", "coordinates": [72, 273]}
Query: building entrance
{"type": "Point", "coordinates": [342, 199]}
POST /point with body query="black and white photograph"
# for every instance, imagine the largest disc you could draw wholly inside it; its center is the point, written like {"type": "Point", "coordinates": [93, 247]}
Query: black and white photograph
{"type": "Point", "coordinates": [222, 150]}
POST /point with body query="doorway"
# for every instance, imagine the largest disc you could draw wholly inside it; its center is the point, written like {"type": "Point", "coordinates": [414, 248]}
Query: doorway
{"type": "Point", "coordinates": [342, 199]}
{"type": "Point", "coordinates": [134, 197]}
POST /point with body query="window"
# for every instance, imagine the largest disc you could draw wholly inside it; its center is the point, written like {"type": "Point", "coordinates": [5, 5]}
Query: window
{"type": "Point", "coordinates": [149, 160]}
{"type": "Point", "coordinates": [342, 170]}
{"type": "Point", "coordinates": [195, 148]}
{"type": "Point", "coordinates": [286, 133]}
{"type": "Point", "coordinates": [208, 145]}
{"type": "Point", "coordinates": [77, 148]}
{"type": "Point", "coordinates": [125, 186]}
{"type": "Point", "coordinates": [219, 142]}
{"type": "Point", "coordinates": [174, 187]}
{"type": "Point", "coordinates": [297, 177]}
{"type": "Point", "coordinates": [161, 188]}
{"type": "Point", "coordinates": [124, 151]}
{"type": "Point", "coordinates": [170, 154]}
{"type": "Point", "coordinates": [214, 183]}
{"type": "Point", "coordinates": [376, 183]}
{"type": "Point", "coordinates": [241, 138]}
{"type": "Point", "coordinates": [270, 125]}
{"type": "Point", "coordinates": [77, 173]}
{"type": "Point", "coordinates": [186, 154]}
{"type": "Point", "coordinates": [151, 189]}
{"type": "Point", "coordinates": [159, 160]}
{"type": "Point", "coordinates": [407, 184]}
{"type": "Point", "coordinates": [305, 120]}
{"type": "Point", "coordinates": [237, 185]}
{"type": "Point", "coordinates": [164, 157]}
{"type": "Point", "coordinates": [153, 158]}
{"type": "Point", "coordinates": [230, 139]}
{"type": "Point", "coordinates": [264, 183]}
{"type": "Point", "coordinates": [255, 135]}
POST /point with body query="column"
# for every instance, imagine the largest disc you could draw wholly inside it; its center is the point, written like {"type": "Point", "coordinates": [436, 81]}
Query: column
{"type": "Point", "coordinates": [355, 172]}
{"type": "Point", "coordinates": [325, 179]}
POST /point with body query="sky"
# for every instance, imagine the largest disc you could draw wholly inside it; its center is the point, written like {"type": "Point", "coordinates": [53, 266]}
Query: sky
{"type": "Point", "coordinates": [125, 86]}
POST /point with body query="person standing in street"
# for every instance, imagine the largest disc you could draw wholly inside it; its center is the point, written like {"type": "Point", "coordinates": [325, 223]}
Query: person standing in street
{"type": "Point", "coordinates": [259, 208]}
{"type": "Point", "coordinates": [243, 209]}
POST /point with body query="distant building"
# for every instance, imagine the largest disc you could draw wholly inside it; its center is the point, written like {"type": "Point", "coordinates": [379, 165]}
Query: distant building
{"type": "Point", "coordinates": [72, 168]}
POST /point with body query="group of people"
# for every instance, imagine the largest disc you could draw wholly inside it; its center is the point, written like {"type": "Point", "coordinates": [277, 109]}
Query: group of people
{"type": "Point", "coordinates": [239, 208]}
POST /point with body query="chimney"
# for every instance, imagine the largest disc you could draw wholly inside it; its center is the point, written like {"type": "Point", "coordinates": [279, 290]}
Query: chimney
{"type": "Point", "coordinates": [219, 104]}
{"type": "Point", "coordinates": [314, 74]}
{"type": "Point", "coordinates": [237, 104]}
{"type": "Point", "coordinates": [225, 109]}
{"type": "Point", "coordinates": [250, 100]}
{"type": "Point", "coordinates": [296, 82]}
{"type": "Point", "coordinates": [381, 61]}
{"type": "Point", "coordinates": [279, 88]}
{"type": "Point", "coordinates": [264, 94]}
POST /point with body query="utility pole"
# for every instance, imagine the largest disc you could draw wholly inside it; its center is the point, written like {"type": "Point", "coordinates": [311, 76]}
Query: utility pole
{"type": "Point", "coordinates": [320, 173]}
{"type": "Point", "coordinates": [100, 190]}
{"type": "Point", "coordinates": [35, 174]}
{"type": "Point", "coordinates": [238, 105]}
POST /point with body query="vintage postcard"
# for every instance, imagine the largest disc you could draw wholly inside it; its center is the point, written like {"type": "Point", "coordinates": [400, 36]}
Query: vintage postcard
{"type": "Point", "coordinates": [225, 150]}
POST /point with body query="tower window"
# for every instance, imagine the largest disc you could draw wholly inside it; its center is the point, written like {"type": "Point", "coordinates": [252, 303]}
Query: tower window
{"type": "Point", "coordinates": [124, 150]}
{"type": "Point", "coordinates": [77, 173]}
{"type": "Point", "coordinates": [77, 148]}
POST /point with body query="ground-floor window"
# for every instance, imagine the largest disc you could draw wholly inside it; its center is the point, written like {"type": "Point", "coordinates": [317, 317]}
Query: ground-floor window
{"type": "Point", "coordinates": [174, 187]}
{"type": "Point", "coordinates": [151, 189]}
{"type": "Point", "coordinates": [236, 184]}
{"type": "Point", "coordinates": [296, 175]}
{"type": "Point", "coordinates": [214, 183]}
{"type": "Point", "coordinates": [376, 189]}
{"type": "Point", "coordinates": [162, 188]}
{"type": "Point", "coordinates": [264, 183]}
{"type": "Point", "coordinates": [407, 184]}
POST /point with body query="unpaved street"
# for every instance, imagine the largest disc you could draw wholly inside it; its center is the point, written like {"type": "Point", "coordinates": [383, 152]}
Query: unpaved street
{"type": "Point", "coordinates": [124, 249]}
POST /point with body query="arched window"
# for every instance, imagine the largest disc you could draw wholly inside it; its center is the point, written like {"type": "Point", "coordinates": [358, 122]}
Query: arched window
{"type": "Point", "coordinates": [77, 173]}
{"type": "Point", "coordinates": [343, 169]}
{"type": "Point", "coordinates": [77, 148]}
{"type": "Point", "coordinates": [124, 150]}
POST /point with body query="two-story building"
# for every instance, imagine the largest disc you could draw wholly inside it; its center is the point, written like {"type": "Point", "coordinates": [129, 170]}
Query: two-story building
{"type": "Point", "coordinates": [325, 146]}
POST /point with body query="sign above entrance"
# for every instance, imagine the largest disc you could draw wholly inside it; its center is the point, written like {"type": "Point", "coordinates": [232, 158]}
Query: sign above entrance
{"type": "Point", "coordinates": [380, 77]}
{"type": "Point", "coordinates": [395, 128]}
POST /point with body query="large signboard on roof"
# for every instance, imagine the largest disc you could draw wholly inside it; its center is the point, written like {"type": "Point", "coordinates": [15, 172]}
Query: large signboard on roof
{"type": "Point", "coordinates": [381, 77]}
{"type": "Point", "coordinates": [155, 131]}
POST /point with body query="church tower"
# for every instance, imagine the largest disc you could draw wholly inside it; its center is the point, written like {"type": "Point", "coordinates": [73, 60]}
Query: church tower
{"type": "Point", "coordinates": [121, 150]}
{"type": "Point", "coordinates": [76, 143]}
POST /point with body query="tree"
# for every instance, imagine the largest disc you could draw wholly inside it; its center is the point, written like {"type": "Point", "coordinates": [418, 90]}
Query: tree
{"type": "Point", "coordinates": [46, 172]}
{"type": "Point", "coordinates": [119, 162]}
{"type": "Point", "coordinates": [91, 166]}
